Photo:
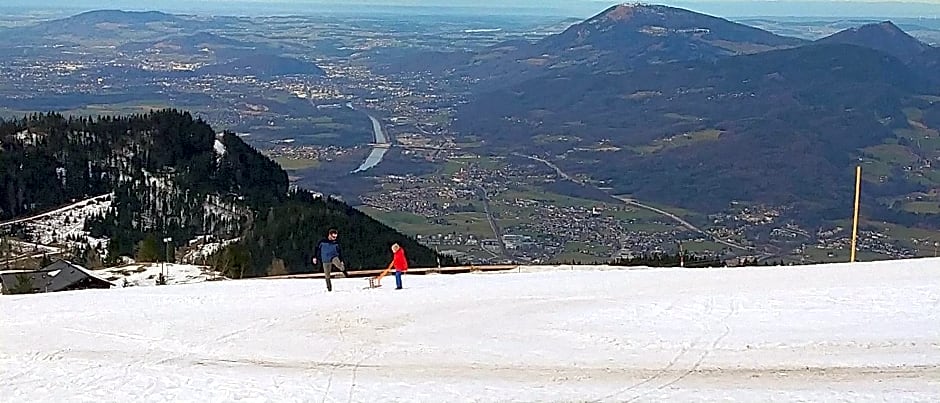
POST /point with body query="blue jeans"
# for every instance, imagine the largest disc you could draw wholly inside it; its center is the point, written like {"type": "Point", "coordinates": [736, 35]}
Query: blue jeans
{"type": "Point", "coordinates": [397, 280]}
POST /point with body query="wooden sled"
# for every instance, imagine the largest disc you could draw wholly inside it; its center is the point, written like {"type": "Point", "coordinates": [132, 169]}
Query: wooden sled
{"type": "Point", "coordinates": [376, 282]}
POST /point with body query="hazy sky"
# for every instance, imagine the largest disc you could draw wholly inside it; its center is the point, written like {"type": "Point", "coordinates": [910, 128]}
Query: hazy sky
{"type": "Point", "coordinates": [574, 8]}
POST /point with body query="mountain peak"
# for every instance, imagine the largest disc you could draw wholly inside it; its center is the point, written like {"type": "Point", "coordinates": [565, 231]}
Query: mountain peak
{"type": "Point", "coordinates": [886, 29]}
{"type": "Point", "coordinates": [886, 25]}
{"type": "Point", "coordinates": [620, 12]}
{"type": "Point", "coordinates": [884, 36]}
{"type": "Point", "coordinates": [626, 12]}
{"type": "Point", "coordinates": [634, 25]}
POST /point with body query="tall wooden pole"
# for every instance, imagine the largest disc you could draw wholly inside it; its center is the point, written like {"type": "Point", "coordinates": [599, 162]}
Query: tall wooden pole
{"type": "Point", "coordinates": [858, 185]}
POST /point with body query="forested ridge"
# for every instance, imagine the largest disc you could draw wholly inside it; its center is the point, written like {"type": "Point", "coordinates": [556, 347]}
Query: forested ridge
{"type": "Point", "coordinates": [172, 176]}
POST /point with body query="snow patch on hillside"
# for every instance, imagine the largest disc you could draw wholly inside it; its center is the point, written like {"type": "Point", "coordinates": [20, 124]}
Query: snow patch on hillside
{"type": "Point", "coordinates": [63, 228]}
{"type": "Point", "coordinates": [203, 248]}
{"type": "Point", "coordinates": [146, 274]}
{"type": "Point", "coordinates": [27, 250]}
{"type": "Point", "coordinates": [29, 138]}
{"type": "Point", "coordinates": [220, 216]}
{"type": "Point", "coordinates": [219, 148]}
{"type": "Point", "coordinates": [158, 182]}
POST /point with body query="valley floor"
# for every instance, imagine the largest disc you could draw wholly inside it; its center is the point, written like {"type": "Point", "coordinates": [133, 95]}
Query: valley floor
{"type": "Point", "coordinates": [867, 331]}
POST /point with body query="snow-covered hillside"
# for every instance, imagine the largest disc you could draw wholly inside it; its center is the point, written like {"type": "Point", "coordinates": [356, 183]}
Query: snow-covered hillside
{"type": "Point", "coordinates": [857, 332]}
{"type": "Point", "coordinates": [63, 228]}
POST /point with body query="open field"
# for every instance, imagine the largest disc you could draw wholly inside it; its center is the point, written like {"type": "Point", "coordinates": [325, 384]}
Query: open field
{"type": "Point", "coordinates": [294, 164]}
{"type": "Point", "coordinates": [922, 207]}
{"type": "Point", "coordinates": [681, 140]}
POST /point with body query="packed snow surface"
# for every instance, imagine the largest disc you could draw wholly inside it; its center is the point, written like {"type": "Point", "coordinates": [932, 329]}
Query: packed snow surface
{"type": "Point", "coordinates": [857, 332]}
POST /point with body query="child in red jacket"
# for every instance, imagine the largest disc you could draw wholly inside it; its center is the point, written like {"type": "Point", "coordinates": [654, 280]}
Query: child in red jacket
{"type": "Point", "coordinates": [400, 263]}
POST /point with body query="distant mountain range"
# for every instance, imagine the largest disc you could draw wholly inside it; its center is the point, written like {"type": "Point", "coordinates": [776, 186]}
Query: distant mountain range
{"type": "Point", "coordinates": [101, 22]}
{"type": "Point", "coordinates": [690, 110]}
{"type": "Point", "coordinates": [160, 33]}
{"type": "Point", "coordinates": [622, 37]}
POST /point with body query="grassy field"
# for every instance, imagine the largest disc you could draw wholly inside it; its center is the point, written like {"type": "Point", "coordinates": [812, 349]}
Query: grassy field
{"type": "Point", "coordinates": [294, 164]}
{"type": "Point", "coordinates": [815, 255]}
{"type": "Point", "coordinates": [468, 223]}
{"type": "Point", "coordinates": [932, 176]}
{"type": "Point", "coordinates": [584, 253]}
{"type": "Point", "coordinates": [822, 255]}
{"type": "Point", "coordinates": [582, 258]}
{"type": "Point", "coordinates": [922, 207]}
{"type": "Point", "coordinates": [879, 161]}
{"type": "Point", "coordinates": [873, 170]}
{"type": "Point", "coordinates": [703, 246]}
{"type": "Point", "coordinates": [914, 114]}
{"type": "Point", "coordinates": [924, 139]}
{"type": "Point", "coordinates": [489, 163]}
{"type": "Point", "coordinates": [892, 153]}
{"type": "Point", "coordinates": [682, 140]}
{"type": "Point", "coordinates": [407, 223]}
{"type": "Point", "coordinates": [451, 167]}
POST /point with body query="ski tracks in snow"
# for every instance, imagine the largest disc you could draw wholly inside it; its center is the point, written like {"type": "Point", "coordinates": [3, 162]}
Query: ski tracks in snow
{"type": "Point", "coordinates": [365, 338]}
{"type": "Point", "coordinates": [341, 329]}
{"type": "Point", "coordinates": [706, 353]}
{"type": "Point", "coordinates": [705, 324]}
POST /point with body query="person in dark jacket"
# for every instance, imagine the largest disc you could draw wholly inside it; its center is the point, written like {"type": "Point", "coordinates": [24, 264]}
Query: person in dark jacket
{"type": "Point", "coordinates": [329, 254]}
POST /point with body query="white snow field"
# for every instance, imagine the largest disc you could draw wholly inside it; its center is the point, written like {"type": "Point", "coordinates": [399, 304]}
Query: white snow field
{"type": "Point", "coordinates": [844, 332]}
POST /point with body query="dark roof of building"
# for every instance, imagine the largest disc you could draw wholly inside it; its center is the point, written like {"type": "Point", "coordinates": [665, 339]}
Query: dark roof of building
{"type": "Point", "coordinates": [58, 276]}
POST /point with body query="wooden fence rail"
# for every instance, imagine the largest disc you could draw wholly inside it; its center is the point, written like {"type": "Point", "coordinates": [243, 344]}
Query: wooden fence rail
{"type": "Point", "coordinates": [411, 271]}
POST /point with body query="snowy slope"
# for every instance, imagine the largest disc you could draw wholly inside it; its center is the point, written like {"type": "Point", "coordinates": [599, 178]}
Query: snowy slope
{"type": "Point", "coordinates": [145, 274]}
{"type": "Point", "coordinates": [857, 332]}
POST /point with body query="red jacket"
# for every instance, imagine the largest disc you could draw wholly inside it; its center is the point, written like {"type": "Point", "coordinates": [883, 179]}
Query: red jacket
{"type": "Point", "coordinates": [399, 261]}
